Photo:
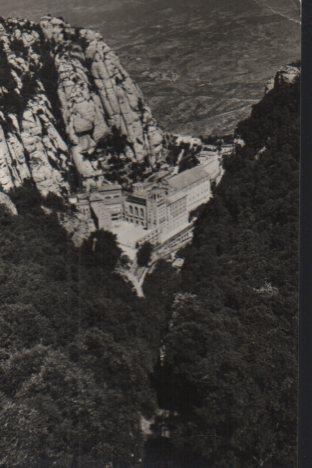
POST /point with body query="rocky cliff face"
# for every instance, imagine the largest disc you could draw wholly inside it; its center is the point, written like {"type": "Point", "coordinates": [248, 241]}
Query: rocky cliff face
{"type": "Point", "coordinates": [67, 106]}
{"type": "Point", "coordinates": [71, 118]}
{"type": "Point", "coordinates": [286, 75]}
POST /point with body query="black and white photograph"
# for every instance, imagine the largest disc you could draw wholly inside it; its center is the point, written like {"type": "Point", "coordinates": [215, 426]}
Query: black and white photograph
{"type": "Point", "coordinates": [149, 223]}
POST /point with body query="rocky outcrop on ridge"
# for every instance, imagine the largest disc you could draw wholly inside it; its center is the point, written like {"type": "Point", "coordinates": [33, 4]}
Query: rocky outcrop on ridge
{"type": "Point", "coordinates": [286, 75]}
{"type": "Point", "coordinates": [66, 106]}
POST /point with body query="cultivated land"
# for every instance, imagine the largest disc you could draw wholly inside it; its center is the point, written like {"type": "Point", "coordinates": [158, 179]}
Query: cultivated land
{"type": "Point", "coordinates": [200, 64]}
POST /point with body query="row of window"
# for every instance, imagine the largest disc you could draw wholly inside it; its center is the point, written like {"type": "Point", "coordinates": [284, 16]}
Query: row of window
{"type": "Point", "coordinates": [109, 197]}
{"type": "Point", "coordinates": [176, 211]}
{"type": "Point", "coordinates": [136, 211]}
{"type": "Point", "coordinates": [137, 222]}
{"type": "Point", "coordinates": [197, 193]}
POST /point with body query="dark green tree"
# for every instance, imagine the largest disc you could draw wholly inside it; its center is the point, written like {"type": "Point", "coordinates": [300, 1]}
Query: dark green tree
{"type": "Point", "coordinates": [229, 372]}
{"type": "Point", "coordinates": [144, 254]}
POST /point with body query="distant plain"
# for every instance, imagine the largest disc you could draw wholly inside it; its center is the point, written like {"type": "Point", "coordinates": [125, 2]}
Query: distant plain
{"type": "Point", "coordinates": [200, 63]}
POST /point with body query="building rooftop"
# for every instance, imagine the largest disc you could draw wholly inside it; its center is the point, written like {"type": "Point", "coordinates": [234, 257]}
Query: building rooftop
{"type": "Point", "coordinates": [157, 176]}
{"type": "Point", "coordinates": [105, 187]}
{"type": "Point", "coordinates": [112, 201]}
{"type": "Point", "coordinates": [137, 198]}
{"type": "Point", "coordinates": [187, 177]}
{"type": "Point", "coordinates": [176, 196]}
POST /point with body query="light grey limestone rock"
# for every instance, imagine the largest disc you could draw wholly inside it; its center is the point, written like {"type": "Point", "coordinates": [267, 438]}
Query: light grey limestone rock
{"type": "Point", "coordinates": [6, 201]}
{"type": "Point", "coordinates": [288, 74]}
{"type": "Point", "coordinates": [66, 105]}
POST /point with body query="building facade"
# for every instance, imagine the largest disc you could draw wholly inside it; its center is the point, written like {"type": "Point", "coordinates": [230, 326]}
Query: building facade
{"type": "Point", "coordinates": [166, 204]}
{"type": "Point", "coordinates": [134, 210]}
{"type": "Point", "coordinates": [104, 205]}
{"type": "Point", "coordinates": [194, 183]}
{"type": "Point", "coordinates": [157, 210]}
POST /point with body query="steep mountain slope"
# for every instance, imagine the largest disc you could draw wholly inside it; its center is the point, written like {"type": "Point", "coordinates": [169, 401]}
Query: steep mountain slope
{"type": "Point", "coordinates": [67, 105]}
{"type": "Point", "coordinates": [76, 347]}
{"type": "Point", "coordinates": [201, 64]}
{"type": "Point", "coordinates": [229, 369]}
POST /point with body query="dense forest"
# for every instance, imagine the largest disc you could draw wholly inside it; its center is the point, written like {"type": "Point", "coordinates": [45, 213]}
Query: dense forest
{"type": "Point", "coordinates": [79, 352]}
{"type": "Point", "coordinates": [228, 379]}
{"type": "Point", "coordinates": [76, 346]}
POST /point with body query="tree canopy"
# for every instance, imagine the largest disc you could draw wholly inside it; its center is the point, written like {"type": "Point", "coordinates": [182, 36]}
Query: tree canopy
{"type": "Point", "coordinates": [78, 348]}
{"type": "Point", "coordinates": [229, 373]}
{"type": "Point", "coordinates": [144, 254]}
{"type": "Point", "coordinates": [75, 357]}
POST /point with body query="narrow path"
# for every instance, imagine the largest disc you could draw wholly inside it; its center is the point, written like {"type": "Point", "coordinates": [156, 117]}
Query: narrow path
{"type": "Point", "coordinates": [281, 13]}
{"type": "Point", "coordinates": [136, 276]}
{"type": "Point", "coordinates": [137, 284]}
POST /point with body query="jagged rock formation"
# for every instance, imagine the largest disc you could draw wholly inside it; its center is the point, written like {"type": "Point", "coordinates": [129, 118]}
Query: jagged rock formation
{"type": "Point", "coordinates": [286, 75]}
{"type": "Point", "coordinates": [67, 105]}
{"type": "Point", "coordinates": [71, 118]}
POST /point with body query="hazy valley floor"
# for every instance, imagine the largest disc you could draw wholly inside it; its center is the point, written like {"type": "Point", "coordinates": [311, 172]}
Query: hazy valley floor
{"type": "Point", "coordinates": [200, 64]}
